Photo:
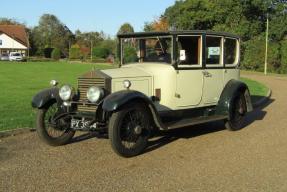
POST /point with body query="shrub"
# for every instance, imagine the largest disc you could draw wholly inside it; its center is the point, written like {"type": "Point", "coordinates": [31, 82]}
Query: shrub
{"type": "Point", "coordinates": [283, 53]}
{"type": "Point", "coordinates": [75, 52]}
{"type": "Point", "coordinates": [100, 52]}
{"type": "Point", "coordinates": [130, 55]}
{"type": "Point", "coordinates": [56, 54]}
{"type": "Point", "coordinates": [48, 52]}
{"type": "Point", "coordinates": [254, 55]}
{"type": "Point", "coordinates": [273, 60]}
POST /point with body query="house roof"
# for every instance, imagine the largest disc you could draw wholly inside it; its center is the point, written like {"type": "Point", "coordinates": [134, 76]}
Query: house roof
{"type": "Point", "coordinates": [16, 32]}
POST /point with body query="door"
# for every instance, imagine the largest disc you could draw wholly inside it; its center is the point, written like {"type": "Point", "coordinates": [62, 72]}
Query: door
{"type": "Point", "coordinates": [212, 74]}
{"type": "Point", "coordinates": [213, 86]}
{"type": "Point", "coordinates": [189, 78]}
{"type": "Point", "coordinates": [189, 88]}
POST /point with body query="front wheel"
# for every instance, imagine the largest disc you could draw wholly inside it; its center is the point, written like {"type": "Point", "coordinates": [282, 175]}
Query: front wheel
{"type": "Point", "coordinates": [129, 130]}
{"type": "Point", "coordinates": [52, 130]}
{"type": "Point", "coordinates": [236, 116]}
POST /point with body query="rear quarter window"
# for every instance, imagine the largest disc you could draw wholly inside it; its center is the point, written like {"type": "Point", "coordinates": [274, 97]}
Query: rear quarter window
{"type": "Point", "coordinates": [231, 51]}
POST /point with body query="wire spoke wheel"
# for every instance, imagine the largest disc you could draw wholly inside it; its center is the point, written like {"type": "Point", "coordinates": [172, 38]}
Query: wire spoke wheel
{"type": "Point", "coordinates": [129, 130]}
{"type": "Point", "coordinates": [238, 111]}
{"type": "Point", "coordinates": [54, 128]}
{"type": "Point", "coordinates": [237, 114]}
{"type": "Point", "coordinates": [51, 129]}
{"type": "Point", "coordinates": [132, 128]}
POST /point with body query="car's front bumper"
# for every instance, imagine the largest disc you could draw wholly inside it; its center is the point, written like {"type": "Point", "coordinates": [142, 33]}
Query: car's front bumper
{"type": "Point", "coordinates": [85, 120]}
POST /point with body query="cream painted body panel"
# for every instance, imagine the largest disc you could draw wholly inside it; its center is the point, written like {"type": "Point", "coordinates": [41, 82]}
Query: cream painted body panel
{"type": "Point", "coordinates": [158, 76]}
{"type": "Point", "coordinates": [141, 84]}
{"type": "Point", "coordinates": [189, 87]}
{"type": "Point", "coordinates": [229, 74]}
{"type": "Point", "coordinates": [213, 86]}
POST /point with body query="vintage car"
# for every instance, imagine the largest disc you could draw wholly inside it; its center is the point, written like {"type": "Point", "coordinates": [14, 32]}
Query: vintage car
{"type": "Point", "coordinates": [165, 80]}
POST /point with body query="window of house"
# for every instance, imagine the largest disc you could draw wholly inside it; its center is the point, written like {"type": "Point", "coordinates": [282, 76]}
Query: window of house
{"type": "Point", "coordinates": [213, 50]}
{"type": "Point", "coordinates": [230, 51]}
{"type": "Point", "coordinates": [0, 42]}
{"type": "Point", "coordinates": [192, 48]}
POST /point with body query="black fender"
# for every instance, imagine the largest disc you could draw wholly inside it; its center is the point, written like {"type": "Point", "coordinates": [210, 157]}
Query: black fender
{"type": "Point", "coordinates": [231, 89]}
{"type": "Point", "coordinates": [44, 96]}
{"type": "Point", "coordinates": [116, 100]}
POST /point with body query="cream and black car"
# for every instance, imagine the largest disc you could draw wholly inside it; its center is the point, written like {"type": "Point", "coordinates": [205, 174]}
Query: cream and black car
{"type": "Point", "coordinates": [165, 80]}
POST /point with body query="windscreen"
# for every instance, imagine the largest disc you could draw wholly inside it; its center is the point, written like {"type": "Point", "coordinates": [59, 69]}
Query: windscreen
{"type": "Point", "coordinates": [140, 50]}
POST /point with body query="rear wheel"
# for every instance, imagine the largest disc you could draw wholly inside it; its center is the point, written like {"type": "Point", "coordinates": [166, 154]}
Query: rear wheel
{"type": "Point", "coordinates": [237, 114]}
{"type": "Point", "coordinates": [129, 129]}
{"type": "Point", "coordinates": [52, 130]}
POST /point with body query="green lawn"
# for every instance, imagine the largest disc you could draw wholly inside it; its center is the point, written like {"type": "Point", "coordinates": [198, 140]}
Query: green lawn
{"type": "Point", "coordinates": [19, 82]}
{"type": "Point", "coordinates": [257, 90]}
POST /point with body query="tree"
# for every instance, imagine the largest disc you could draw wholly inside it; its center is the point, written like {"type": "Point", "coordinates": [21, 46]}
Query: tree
{"type": "Point", "coordinates": [52, 33]}
{"type": "Point", "coordinates": [8, 21]}
{"type": "Point", "coordinates": [100, 52]}
{"type": "Point", "coordinates": [159, 24]}
{"type": "Point", "coordinates": [246, 18]}
{"type": "Point", "coordinates": [88, 39]}
{"type": "Point", "coordinates": [126, 28]}
{"type": "Point", "coordinates": [110, 44]}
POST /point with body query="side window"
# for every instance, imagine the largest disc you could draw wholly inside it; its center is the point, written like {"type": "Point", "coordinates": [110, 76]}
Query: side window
{"type": "Point", "coordinates": [213, 50]}
{"type": "Point", "coordinates": [230, 51]}
{"type": "Point", "coordinates": [191, 45]}
{"type": "Point", "coordinates": [0, 42]}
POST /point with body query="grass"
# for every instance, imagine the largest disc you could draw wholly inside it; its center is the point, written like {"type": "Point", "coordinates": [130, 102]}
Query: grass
{"type": "Point", "coordinates": [257, 90]}
{"type": "Point", "coordinates": [19, 82]}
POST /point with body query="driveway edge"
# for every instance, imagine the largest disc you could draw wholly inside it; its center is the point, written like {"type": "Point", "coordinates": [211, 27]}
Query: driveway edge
{"type": "Point", "coordinates": [15, 132]}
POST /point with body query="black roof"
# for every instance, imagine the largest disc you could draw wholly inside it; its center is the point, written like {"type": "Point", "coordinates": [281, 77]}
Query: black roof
{"type": "Point", "coordinates": [187, 32]}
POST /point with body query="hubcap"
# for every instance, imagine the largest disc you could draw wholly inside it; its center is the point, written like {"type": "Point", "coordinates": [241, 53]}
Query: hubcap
{"type": "Point", "coordinates": [138, 130]}
{"type": "Point", "coordinates": [132, 128]}
{"type": "Point", "coordinates": [53, 128]}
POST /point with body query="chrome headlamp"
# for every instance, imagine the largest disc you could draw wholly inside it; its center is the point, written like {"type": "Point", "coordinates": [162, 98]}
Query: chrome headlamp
{"type": "Point", "coordinates": [65, 92]}
{"type": "Point", "coordinates": [94, 94]}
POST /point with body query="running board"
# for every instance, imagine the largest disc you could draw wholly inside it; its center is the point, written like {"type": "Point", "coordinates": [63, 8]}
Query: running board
{"type": "Point", "coordinates": [193, 121]}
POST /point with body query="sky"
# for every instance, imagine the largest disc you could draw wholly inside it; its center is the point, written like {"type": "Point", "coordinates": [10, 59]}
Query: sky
{"type": "Point", "coordinates": [87, 15]}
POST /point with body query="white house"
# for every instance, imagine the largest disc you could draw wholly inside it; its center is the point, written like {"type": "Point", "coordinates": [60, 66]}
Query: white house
{"type": "Point", "coordinates": [13, 38]}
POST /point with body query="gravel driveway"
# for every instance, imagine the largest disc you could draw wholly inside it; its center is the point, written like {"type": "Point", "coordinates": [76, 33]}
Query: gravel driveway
{"type": "Point", "coordinates": [197, 158]}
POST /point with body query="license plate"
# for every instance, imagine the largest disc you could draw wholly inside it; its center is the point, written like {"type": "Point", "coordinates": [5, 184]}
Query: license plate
{"type": "Point", "coordinates": [82, 124]}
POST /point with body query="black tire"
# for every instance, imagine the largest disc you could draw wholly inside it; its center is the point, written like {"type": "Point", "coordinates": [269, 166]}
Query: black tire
{"type": "Point", "coordinates": [47, 132]}
{"type": "Point", "coordinates": [130, 126]}
{"type": "Point", "coordinates": [237, 114]}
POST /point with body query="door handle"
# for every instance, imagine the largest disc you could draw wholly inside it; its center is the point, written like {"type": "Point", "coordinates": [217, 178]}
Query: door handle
{"type": "Point", "coordinates": [206, 74]}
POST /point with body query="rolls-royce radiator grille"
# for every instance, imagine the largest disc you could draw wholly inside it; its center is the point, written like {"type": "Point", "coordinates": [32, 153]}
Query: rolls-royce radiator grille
{"type": "Point", "coordinates": [83, 85]}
